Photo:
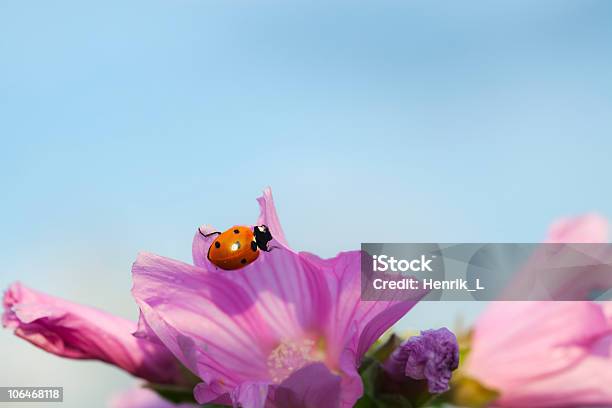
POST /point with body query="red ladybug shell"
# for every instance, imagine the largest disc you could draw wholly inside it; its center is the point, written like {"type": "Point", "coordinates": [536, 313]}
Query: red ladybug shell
{"type": "Point", "coordinates": [234, 248]}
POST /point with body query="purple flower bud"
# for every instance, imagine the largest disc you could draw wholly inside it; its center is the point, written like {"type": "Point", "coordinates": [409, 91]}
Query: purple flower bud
{"type": "Point", "coordinates": [432, 356]}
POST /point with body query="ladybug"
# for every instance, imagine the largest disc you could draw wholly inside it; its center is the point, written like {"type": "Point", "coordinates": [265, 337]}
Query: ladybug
{"type": "Point", "coordinates": [239, 246]}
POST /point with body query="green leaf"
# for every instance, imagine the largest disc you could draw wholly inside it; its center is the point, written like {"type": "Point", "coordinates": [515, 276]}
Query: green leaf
{"type": "Point", "coordinates": [366, 402]}
{"type": "Point", "coordinates": [370, 375]}
{"type": "Point", "coordinates": [173, 393]}
{"type": "Point", "coordinates": [382, 392]}
{"type": "Point", "coordinates": [383, 352]}
{"type": "Point", "coordinates": [467, 392]}
{"type": "Point", "coordinates": [383, 347]}
{"type": "Point", "coordinates": [394, 401]}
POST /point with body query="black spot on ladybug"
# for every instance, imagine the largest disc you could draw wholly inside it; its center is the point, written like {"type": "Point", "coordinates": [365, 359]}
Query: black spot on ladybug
{"type": "Point", "coordinates": [236, 231]}
{"type": "Point", "coordinates": [254, 246]}
{"type": "Point", "coordinates": [217, 245]}
{"type": "Point", "coordinates": [243, 261]}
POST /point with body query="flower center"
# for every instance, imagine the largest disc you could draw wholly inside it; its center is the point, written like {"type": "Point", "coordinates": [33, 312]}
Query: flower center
{"type": "Point", "coordinates": [291, 355]}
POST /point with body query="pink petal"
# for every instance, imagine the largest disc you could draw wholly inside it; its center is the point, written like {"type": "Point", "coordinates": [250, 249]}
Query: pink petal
{"type": "Point", "coordinates": [143, 398]}
{"type": "Point", "coordinates": [364, 321]}
{"type": "Point", "coordinates": [588, 228]}
{"type": "Point", "coordinates": [200, 246]}
{"type": "Point", "coordinates": [310, 386]}
{"type": "Point", "coordinates": [575, 272]}
{"type": "Point", "coordinates": [250, 394]}
{"type": "Point", "coordinates": [212, 393]}
{"type": "Point", "coordinates": [268, 216]}
{"type": "Point", "coordinates": [74, 331]}
{"type": "Point", "coordinates": [585, 383]}
{"type": "Point", "coordinates": [224, 325]}
{"type": "Point", "coordinates": [518, 346]}
{"type": "Point", "coordinates": [354, 324]}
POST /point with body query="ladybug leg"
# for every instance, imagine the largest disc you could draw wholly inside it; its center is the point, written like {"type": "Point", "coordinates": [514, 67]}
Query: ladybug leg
{"type": "Point", "coordinates": [208, 235]}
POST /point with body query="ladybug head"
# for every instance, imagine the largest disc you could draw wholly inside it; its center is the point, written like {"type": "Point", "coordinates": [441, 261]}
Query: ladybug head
{"type": "Point", "coordinates": [262, 237]}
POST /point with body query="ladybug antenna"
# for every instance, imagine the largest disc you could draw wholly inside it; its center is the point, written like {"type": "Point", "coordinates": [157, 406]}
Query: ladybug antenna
{"type": "Point", "coordinates": [207, 235]}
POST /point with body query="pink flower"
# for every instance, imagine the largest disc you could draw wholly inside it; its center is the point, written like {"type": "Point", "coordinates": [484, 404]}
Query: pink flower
{"type": "Point", "coordinates": [548, 354]}
{"type": "Point", "coordinates": [288, 330]}
{"type": "Point", "coordinates": [588, 228]}
{"type": "Point", "coordinates": [74, 331]}
{"type": "Point", "coordinates": [577, 271]}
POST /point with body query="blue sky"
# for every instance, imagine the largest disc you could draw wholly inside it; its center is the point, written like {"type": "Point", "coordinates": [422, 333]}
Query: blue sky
{"type": "Point", "coordinates": [124, 126]}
